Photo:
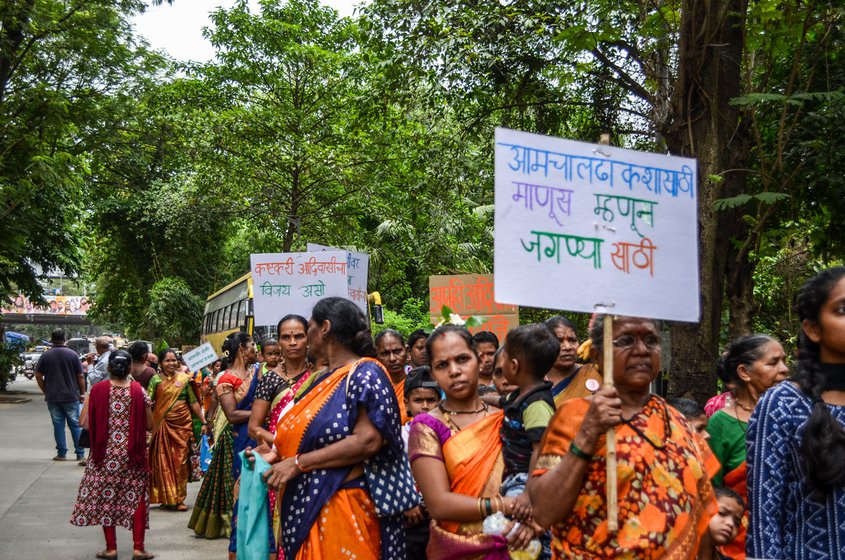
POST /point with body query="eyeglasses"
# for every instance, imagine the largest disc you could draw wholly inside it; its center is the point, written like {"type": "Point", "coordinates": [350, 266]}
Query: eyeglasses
{"type": "Point", "coordinates": [627, 341]}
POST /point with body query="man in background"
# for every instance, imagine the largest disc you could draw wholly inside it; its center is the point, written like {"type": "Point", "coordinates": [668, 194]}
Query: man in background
{"type": "Point", "coordinates": [98, 362]}
{"type": "Point", "coordinates": [59, 376]}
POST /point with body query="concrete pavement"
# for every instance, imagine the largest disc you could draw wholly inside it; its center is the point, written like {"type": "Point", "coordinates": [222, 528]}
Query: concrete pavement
{"type": "Point", "coordinates": [37, 496]}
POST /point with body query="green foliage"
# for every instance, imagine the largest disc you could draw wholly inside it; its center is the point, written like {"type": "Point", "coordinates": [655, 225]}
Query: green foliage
{"type": "Point", "coordinates": [58, 61]}
{"type": "Point", "coordinates": [174, 312]}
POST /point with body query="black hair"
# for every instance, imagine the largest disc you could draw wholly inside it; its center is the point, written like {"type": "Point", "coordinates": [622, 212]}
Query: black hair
{"type": "Point", "coordinates": [58, 335]}
{"type": "Point", "coordinates": [535, 346]}
{"type": "Point", "coordinates": [138, 350]}
{"type": "Point", "coordinates": [420, 378]}
{"type": "Point", "coordinates": [349, 327]}
{"type": "Point", "coordinates": [443, 330]}
{"type": "Point", "coordinates": [269, 341]}
{"type": "Point", "coordinates": [499, 351]}
{"type": "Point", "coordinates": [744, 351]}
{"type": "Point", "coordinates": [120, 362]}
{"type": "Point", "coordinates": [417, 335]}
{"type": "Point", "coordinates": [722, 492]}
{"type": "Point", "coordinates": [560, 321]}
{"type": "Point", "coordinates": [597, 330]}
{"type": "Point", "coordinates": [487, 336]}
{"type": "Point", "coordinates": [231, 346]}
{"type": "Point", "coordinates": [688, 407]}
{"type": "Point", "coordinates": [823, 443]}
{"type": "Point", "coordinates": [165, 352]}
{"type": "Point", "coordinates": [291, 317]}
{"type": "Point", "coordinates": [390, 332]}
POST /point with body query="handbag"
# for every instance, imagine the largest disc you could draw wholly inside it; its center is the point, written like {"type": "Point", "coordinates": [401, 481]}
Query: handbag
{"type": "Point", "coordinates": [205, 454]}
{"type": "Point", "coordinates": [195, 472]}
{"type": "Point", "coordinates": [84, 439]}
{"type": "Point", "coordinates": [391, 483]}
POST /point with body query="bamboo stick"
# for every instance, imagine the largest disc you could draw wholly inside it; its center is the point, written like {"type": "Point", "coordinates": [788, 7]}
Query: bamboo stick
{"type": "Point", "coordinates": [612, 499]}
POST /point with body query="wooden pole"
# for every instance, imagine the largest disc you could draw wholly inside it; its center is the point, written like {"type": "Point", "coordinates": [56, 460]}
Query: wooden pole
{"type": "Point", "coordinates": [612, 499]}
{"type": "Point", "coordinates": [610, 462]}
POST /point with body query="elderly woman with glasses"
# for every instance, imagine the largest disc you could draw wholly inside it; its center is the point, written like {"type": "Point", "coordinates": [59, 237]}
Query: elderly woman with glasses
{"type": "Point", "coordinates": [663, 475]}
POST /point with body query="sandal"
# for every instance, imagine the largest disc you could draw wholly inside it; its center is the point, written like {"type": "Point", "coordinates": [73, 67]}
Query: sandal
{"type": "Point", "coordinates": [106, 556]}
{"type": "Point", "coordinates": [181, 507]}
{"type": "Point", "coordinates": [144, 555]}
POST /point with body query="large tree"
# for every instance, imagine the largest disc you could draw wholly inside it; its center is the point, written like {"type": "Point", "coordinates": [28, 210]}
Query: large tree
{"type": "Point", "coordinates": [58, 60]}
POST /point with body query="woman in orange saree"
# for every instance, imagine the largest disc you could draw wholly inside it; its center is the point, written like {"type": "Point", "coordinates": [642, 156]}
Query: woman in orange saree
{"type": "Point", "coordinates": [665, 496]}
{"type": "Point", "coordinates": [456, 456]}
{"type": "Point", "coordinates": [174, 403]}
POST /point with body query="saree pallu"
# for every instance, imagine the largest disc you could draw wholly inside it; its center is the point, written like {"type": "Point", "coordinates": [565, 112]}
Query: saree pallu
{"type": "Point", "coordinates": [212, 514]}
{"type": "Point", "coordinates": [170, 444]}
{"type": "Point", "coordinates": [474, 463]}
{"type": "Point", "coordinates": [325, 413]}
{"type": "Point", "coordinates": [278, 408]}
{"type": "Point", "coordinates": [665, 496]}
{"type": "Point", "coordinates": [240, 441]}
{"type": "Point", "coordinates": [736, 480]}
{"type": "Point", "coordinates": [399, 389]}
{"type": "Point", "coordinates": [575, 387]}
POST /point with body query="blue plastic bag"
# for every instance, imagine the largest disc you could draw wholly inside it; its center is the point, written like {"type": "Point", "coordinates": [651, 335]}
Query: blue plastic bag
{"type": "Point", "coordinates": [205, 454]}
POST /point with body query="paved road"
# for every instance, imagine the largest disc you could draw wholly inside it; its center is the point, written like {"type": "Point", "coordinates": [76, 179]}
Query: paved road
{"type": "Point", "coordinates": [37, 497]}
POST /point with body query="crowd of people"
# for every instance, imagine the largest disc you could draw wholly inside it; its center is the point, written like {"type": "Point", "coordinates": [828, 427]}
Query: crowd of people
{"type": "Point", "coordinates": [328, 443]}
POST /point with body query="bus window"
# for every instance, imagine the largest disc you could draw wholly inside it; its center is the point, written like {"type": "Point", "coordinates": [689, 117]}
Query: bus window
{"type": "Point", "coordinates": [218, 320]}
{"type": "Point", "coordinates": [236, 315]}
{"type": "Point", "coordinates": [242, 312]}
{"type": "Point", "coordinates": [231, 315]}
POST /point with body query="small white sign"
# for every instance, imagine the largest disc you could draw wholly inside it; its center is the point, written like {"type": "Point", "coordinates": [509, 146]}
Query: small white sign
{"type": "Point", "coordinates": [357, 272]}
{"type": "Point", "coordinates": [587, 227]}
{"type": "Point", "coordinates": [200, 356]}
{"type": "Point", "coordinates": [284, 283]}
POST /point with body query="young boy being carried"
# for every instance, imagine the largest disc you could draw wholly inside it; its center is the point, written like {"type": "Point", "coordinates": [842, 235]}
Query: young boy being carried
{"type": "Point", "coordinates": [529, 352]}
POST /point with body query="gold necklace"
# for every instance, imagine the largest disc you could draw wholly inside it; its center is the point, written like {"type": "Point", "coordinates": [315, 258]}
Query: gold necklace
{"type": "Point", "coordinates": [743, 407]}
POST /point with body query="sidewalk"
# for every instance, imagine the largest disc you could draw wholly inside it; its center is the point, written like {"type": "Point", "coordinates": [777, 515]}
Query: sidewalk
{"type": "Point", "coordinates": [37, 496]}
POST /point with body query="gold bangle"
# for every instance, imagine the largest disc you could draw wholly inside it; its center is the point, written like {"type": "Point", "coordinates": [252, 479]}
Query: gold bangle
{"type": "Point", "coordinates": [480, 508]}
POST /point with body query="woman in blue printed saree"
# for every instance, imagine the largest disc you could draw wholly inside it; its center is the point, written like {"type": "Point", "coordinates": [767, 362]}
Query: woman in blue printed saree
{"type": "Point", "coordinates": [339, 448]}
{"type": "Point", "coordinates": [212, 515]}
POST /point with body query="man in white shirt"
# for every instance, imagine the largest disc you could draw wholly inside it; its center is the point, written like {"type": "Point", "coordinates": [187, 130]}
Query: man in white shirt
{"type": "Point", "coordinates": [98, 364]}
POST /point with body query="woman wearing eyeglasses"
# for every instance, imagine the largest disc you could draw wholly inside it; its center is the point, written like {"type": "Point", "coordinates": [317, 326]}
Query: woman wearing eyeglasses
{"type": "Point", "coordinates": [665, 496]}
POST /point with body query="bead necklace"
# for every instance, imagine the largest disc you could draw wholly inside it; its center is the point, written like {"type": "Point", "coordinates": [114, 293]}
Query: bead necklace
{"type": "Point", "coordinates": [449, 413]}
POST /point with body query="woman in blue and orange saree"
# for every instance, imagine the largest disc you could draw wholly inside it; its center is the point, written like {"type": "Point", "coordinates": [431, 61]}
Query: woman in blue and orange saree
{"type": "Point", "coordinates": [212, 515]}
{"type": "Point", "coordinates": [339, 449]}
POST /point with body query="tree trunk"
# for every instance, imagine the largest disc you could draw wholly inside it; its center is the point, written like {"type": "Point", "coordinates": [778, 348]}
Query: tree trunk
{"type": "Point", "coordinates": [702, 124]}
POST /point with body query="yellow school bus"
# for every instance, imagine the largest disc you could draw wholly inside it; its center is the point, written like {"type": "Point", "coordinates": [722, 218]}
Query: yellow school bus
{"type": "Point", "coordinates": [228, 310]}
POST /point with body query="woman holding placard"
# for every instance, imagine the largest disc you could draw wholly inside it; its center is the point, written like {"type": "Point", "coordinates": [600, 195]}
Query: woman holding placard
{"type": "Point", "coordinates": [665, 496]}
{"type": "Point", "coordinates": [796, 439]}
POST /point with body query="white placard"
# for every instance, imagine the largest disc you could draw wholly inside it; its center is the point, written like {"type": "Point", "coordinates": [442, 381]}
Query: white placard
{"type": "Point", "coordinates": [357, 270]}
{"type": "Point", "coordinates": [284, 283]}
{"type": "Point", "coordinates": [586, 227]}
{"type": "Point", "coordinates": [200, 356]}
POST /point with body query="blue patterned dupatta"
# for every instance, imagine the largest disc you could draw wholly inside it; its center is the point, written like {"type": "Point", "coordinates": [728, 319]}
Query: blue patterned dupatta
{"type": "Point", "coordinates": [325, 414]}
